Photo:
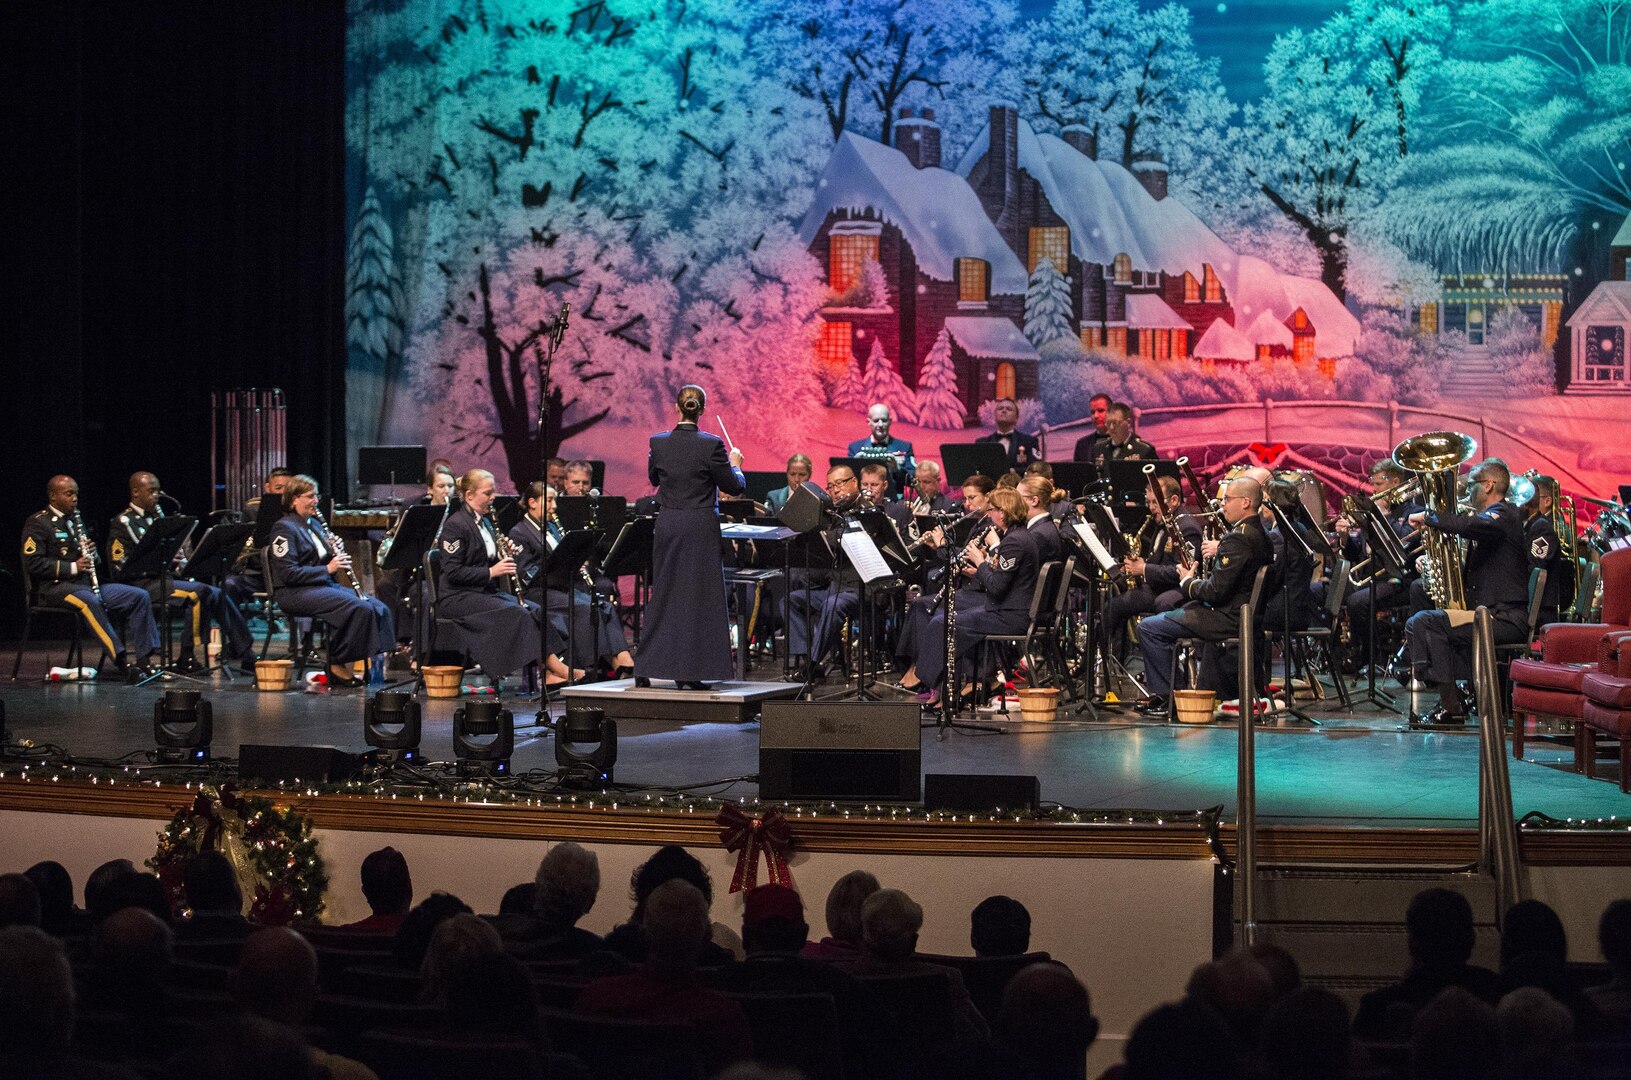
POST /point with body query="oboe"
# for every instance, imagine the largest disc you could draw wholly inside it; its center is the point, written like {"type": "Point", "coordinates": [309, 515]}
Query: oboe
{"type": "Point", "coordinates": [89, 553]}
{"type": "Point", "coordinates": [506, 550]}
{"type": "Point", "coordinates": [346, 577]}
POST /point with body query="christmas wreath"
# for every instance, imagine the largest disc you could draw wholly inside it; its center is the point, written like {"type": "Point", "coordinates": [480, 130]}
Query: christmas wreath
{"type": "Point", "coordinates": [270, 847]}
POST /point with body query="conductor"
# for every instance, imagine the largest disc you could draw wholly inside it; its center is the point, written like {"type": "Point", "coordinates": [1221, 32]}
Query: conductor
{"type": "Point", "coordinates": [687, 622]}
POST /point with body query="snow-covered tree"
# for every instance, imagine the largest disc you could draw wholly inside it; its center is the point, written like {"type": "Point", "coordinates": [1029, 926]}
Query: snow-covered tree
{"type": "Point", "coordinates": [1516, 351]}
{"type": "Point", "coordinates": [373, 323]}
{"type": "Point", "coordinates": [870, 288]}
{"type": "Point", "coordinates": [1047, 304]}
{"type": "Point", "coordinates": [849, 392]}
{"type": "Point", "coordinates": [939, 406]}
{"type": "Point", "coordinates": [882, 384]}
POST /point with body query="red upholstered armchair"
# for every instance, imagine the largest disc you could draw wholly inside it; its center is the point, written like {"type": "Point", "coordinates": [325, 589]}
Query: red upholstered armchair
{"type": "Point", "coordinates": [1607, 708]}
{"type": "Point", "coordinates": [1577, 643]}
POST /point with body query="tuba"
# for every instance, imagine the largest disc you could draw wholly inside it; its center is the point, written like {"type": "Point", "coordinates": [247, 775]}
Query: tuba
{"type": "Point", "coordinates": [1435, 458]}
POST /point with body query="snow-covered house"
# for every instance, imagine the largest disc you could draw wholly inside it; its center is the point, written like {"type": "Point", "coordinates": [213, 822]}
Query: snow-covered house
{"type": "Point", "coordinates": [1600, 328]}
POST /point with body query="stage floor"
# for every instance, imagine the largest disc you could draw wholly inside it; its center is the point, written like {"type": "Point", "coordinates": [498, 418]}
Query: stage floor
{"type": "Point", "coordinates": [1357, 769]}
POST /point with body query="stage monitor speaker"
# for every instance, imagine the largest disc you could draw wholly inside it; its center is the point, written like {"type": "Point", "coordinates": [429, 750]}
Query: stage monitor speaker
{"type": "Point", "coordinates": [981, 793]}
{"type": "Point", "coordinates": [802, 511]}
{"type": "Point", "coordinates": [320, 763]}
{"type": "Point", "coordinates": [840, 750]}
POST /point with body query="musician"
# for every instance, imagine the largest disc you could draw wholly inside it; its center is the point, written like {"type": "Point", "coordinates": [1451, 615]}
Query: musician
{"type": "Point", "coordinates": [555, 474]}
{"type": "Point", "coordinates": [1086, 447]}
{"type": "Point", "coordinates": [896, 453]}
{"type": "Point", "coordinates": [1119, 442]}
{"type": "Point", "coordinates": [1212, 601]}
{"type": "Point", "coordinates": [1007, 578]}
{"type": "Point", "coordinates": [931, 490]}
{"type": "Point", "coordinates": [245, 579]}
{"type": "Point", "coordinates": [276, 480]}
{"type": "Point", "coordinates": [206, 601]}
{"type": "Point", "coordinates": [799, 471]}
{"type": "Point", "coordinates": [60, 574]}
{"type": "Point", "coordinates": [875, 488]}
{"type": "Point", "coordinates": [305, 569]}
{"type": "Point", "coordinates": [1155, 565]}
{"type": "Point", "coordinates": [977, 491]}
{"type": "Point", "coordinates": [440, 483]}
{"type": "Point", "coordinates": [818, 607]}
{"type": "Point", "coordinates": [580, 478]}
{"type": "Point", "coordinates": [536, 535]}
{"type": "Point", "coordinates": [1496, 576]}
{"type": "Point", "coordinates": [1384, 592]}
{"type": "Point", "coordinates": [1022, 449]}
{"type": "Point", "coordinates": [1292, 579]}
{"type": "Point", "coordinates": [1037, 493]}
{"type": "Point", "coordinates": [686, 634]}
{"type": "Point", "coordinates": [1546, 549]}
{"type": "Point", "coordinates": [1061, 508]}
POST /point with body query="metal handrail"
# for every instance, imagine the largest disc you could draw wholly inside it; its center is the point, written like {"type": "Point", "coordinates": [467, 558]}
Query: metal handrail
{"type": "Point", "coordinates": [1246, 780]}
{"type": "Point", "coordinates": [1497, 830]}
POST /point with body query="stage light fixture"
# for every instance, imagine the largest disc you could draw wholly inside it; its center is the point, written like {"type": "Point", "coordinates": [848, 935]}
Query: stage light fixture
{"type": "Point", "coordinates": [183, 726]}
{"type": "Point", "coordinates": [587, 769]}
{"type": "Point", "coordinates": [483, 738]}
{"type": "Point", "coordinates": [391, 726]}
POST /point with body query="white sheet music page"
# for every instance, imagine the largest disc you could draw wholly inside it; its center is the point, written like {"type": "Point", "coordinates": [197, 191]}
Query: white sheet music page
{"type": "Point", "coordinates": [1091, 539]}
{"type": "Point", "coordinates": [863, 554]}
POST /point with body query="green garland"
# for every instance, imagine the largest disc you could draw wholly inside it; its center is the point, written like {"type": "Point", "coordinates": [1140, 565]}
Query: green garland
{"type": "Point", "coordinates": [270, 846]}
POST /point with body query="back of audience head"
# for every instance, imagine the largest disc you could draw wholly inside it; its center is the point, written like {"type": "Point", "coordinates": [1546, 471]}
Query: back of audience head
{"type": "Point", "coordinates": [675, 926]}
{"type": "Point", "coordinates": [1000, 926]}
{"type": "Point", "coordinates": [97, 897]}
{"type": "Point", "coordinates": [36, 994]}
{"type": "Point", "coordinates": [670, 863]}
{"type": "Point", "coordinates": [457, 937]}
{"type": "Point", "coordinates": [246, 1048]}
{"type": "Point", "coordinates": [56, 891]}
{"type": "Point", "coordinates": [518, 899]}
{"type": "Point", "coordinates": [133, 949]}
{"type": "Point", "coordinates": [567, 884]}
{"type": "Point", "coordinates": [1614, 938]}
{"type": "Point", "coordinates": [135, 890]}
{"type": "Point", "coordinates": [773, 920]}
{"type": "Point", "coordinates": [1454, 1037]}
{"type": "Point", "coordinates": [386, 883]}
{"type": "Point", "coordinates": [19, 901]}
{"type": "Point", "coordinates": [212, 884]}
{"type": "Point", "coordinates": [844, 903]}
{"type": "Point", "coordinates": [1047, 1016]}
{"type": "Point", "coordinates": [1536, 1030]}
{"type": "Point", "coordinates": [1182, 1041]}
{"type": "Point", "coordinates": [1531, 926]}
{"type": "Point", "coordinates": [890, 921]}
{"type": "Point", "coordinates": [1281, 966]}
{"type": "Point", "coordinates": [1238, 989]}
{"type": "Point", "coordinates": [1438, 928]}
{"type": "Point", "coordinates": [490, 993]}
{"type": "Point", "coordinates": [413, 937]}
{"type": "Point", "coordinates": [1305, 1036]}
{"type": "Point", "coordinates": [276, 976]}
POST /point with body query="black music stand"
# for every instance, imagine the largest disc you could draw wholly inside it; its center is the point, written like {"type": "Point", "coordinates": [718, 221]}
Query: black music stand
{"type": "Point", "coordinates": [1385, 549]}
{"type": "Point", "coordinates": [1291, 521]}
{"type": "Point", "coordinates": [390, 466]}
{"type": "Point", "coordinates": [415, 535]}
{"type": "Point", "coordinates": [563, 569]}
{"type": "Point", "coordinates": [268, 512]}
{"type": "Point", "coordinates": [874, 548]}
{"type": "Point", "coordinates": [154, 557]}
{"type": "Point", "coordinates": [752, 574]}
{"type": "Point", "coordinates": [761, 483]}
{"type": "Point", "coordinates": [217, 550]}
{"type": "Point", "coordinates": [959, 461]}
{"type": "Point", "coordinates": [815, 555]}
{"type": "Point", "coordinates": [591, 511]}
{"type": "Point", "coordinates": [1128, 485]}
{"type": "Point", "coordinates": [630, 556]}
{"type": "Point", "coordinates": [1074, 476]}
{"type": "Point", "coordinates": [1096, 578]}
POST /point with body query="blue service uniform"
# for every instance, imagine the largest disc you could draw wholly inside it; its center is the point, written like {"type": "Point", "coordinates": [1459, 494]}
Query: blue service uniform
{"type": "Point", "coordinates": [685, 635]}
{"type": "Point", "coordinates": [206, 601]}
{"type": "Point", "coordinates": [1546, 553]}
{"type": "Point", "coordinates": [1159, 591]}
{"type": "Point", "coordinates": [533, 543]}
{"type": "Point", "coordinates": [1496, 576]}
{"type": "Point", "coordinates": [359, 626]}
{"type": "Point", "coordinates": [500, 632]}
{"type": "Point", "coordinates": [1008, 581]}
{"type": "Point", "coordinates": [50, 551]}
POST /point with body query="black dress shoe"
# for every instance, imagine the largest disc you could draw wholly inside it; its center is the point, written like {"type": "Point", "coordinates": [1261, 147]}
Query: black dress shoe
{"type": "Point", "coordinates": [624, 672]}
{"type": "Point", "coordinates": [187, 665]}
{"type": "Point", "coordinates": [1155, 705]}
{"type": "Point", "coordinates": [135, 673]}
{"type": "Point", "coordinates": [342, 682]}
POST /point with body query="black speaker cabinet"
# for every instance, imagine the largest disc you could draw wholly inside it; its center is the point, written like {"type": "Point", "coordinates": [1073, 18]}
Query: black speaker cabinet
{"type": "Point", "coordinates": [802, 511]}
{"type": "Point", "coordinates": [979, 793]}
{"type": "Point", "coordinates": [319, 763]}
{"type": "Point", "coordinates": [840, 750]}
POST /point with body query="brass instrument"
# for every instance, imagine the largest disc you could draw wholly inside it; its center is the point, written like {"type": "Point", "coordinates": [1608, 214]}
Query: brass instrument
{"type": "Point", "coordinates": [1523, 488]}
{"type": "Point", "coordinates": [506, 550]}
{"type": "Point", "coordinates": [1435, 458]}
{"type": "Point", "coordinates": [1135, 550]}
{"type": "Point", "coordinates": [345, 577]}
{"type": "Point", "coordinates": [88, 551]}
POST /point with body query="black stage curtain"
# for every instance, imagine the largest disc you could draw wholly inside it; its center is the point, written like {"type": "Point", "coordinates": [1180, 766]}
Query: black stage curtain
{"type": "Point", "coordinates": [178, 218]}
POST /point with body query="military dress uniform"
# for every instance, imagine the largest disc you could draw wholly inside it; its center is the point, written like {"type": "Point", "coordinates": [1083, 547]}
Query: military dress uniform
{"type": "Point", "coordinates": [896, 453]}
{"type": "Point", "coordinates": [206, 601]}
{"type": "Point", "coordinates": [500, 632]}
{"type": "Point", "coordinates": [1087, 447]}
{"type": "Point", "coordinates": [50, 553]}
{"type": "Point", "coordinates": [1362, 604]}
{"type": "Point", "coordinates": [359, 626]}
{"type": "Point", "coordinates": [534, 541]}
{"type": "Point", "coordinates": [1212, 603]}
{"type": "Point", "coordinates": [685, 635]}
{"type": "Point", "coordinates": [1105, 451]}
{"type": "Point", "coordinates": [1159, 590]}
{"type": "Point", "coordinates": [1007, 581]}
{"type": "Point", "coordinates": [1046, 534]}
{"type": "Point", "coordinates": [1546, 553]}
{"type": "Point", "coordinates": [1022, 449]}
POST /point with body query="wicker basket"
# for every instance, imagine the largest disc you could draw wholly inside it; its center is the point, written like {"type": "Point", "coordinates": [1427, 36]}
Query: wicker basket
{"type": "Point", "coordinates": [1194, 706]}
{"type": "Point", "coordinates": [1038, 702]}
{"type": "Point", "coordinates": [273, 674]}
{"type": "Point", "coordinates": [443, 682]}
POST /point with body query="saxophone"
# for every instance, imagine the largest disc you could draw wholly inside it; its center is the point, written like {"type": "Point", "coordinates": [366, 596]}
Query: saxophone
{"type": "Point", "coordinates": [88, 551]}
{"type": "Point", "coordinates": [507, 550]}
{"type": "Point", "coordinates": [346, 576]}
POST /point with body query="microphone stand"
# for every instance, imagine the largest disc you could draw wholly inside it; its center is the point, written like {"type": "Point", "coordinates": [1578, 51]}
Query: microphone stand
{"type": "Point", "coordinates": [554, 334]}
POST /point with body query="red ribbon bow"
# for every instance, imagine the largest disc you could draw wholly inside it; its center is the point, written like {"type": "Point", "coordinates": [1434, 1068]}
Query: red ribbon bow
{"type": "Point", "coordinates": [750, 837]}
{"type": "Point", "coordinates": [1266, 454]}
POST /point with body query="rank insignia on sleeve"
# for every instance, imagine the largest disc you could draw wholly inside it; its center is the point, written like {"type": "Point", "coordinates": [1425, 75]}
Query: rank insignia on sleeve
{"type": "Point", "coordinates": [280, 547]}
{"type": "Point", "coordinates": [1225, 560]}
{"type": "Point", "coordinates": [1540, 549]}
{"type": "Point", "coordinates": [116, 551]}
{"type": "Point", "coordinates": [30, 547]}
{"type": "Point", "coordinates": [1006, 565]}
{"type": "Point", "coordinates": [451, 546]}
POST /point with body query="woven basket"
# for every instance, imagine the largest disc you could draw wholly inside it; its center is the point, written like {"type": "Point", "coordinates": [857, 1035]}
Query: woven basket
{"type": "Point", "coordinates": [1194, 706]}
{"type": "Point", "coordinates": [443, 682]}
{"type": "Point", "coordinates": [273, 674]}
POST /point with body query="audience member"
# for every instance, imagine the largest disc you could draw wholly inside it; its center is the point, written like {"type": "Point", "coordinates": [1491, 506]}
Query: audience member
{"type": "Point", "coordinates": [1536, 1030]}
{"type": "Point", "coordinates": [1000, 926]}
{"type": "Point", "coordinates": [491, 995]}
{"type": "Point", "coordinates": [517, 900]}
{"type": "Point", "coordinates": [1305, 1036]}
{"type": "Point", "coordinates": [413, 938]}
{"type": "Point", "coordinates": [215, 899]}
{"type": "Point", "coordinates": [1238, 989]}
{"type": "Point", "coordinates": [1281, 967]}
{"type": "Point", "coordinates": [890, 922]}
{"type": "Point", "coordinates": [97, 897]}
{"type": "Point", "coordinates": [37, 1000]}
{"type": "Point", "coordinates": [1454, 1037]}
{"type": "Point", "coordinates": [1183, 1041]}
{"type": "Point", "coordinates": [1613, 998]}
{"type": "Point", "coordinates": [674, 923]}
{"type": "Point", "coordinates": [564, 890]}
{"type": "Point", "coordinates": [1535, 952]}
{"type": "Point", "coordinates": [276, 980]}
{"type": "Point", "coordinates": [1047, 1019]}
{"type": "Point", "coordinates": [132, 952]}
{"type": "Point", "coordinates": [19, 901]}
{"type": "Point", "coordinates": [388, 888]}
{"type": "Point", "coordinates": [670, 863]}
{"type": "Point", "coordinates": [456, 937]}
{"type": "Point", "coordinates": [58, 916]}
{"type": "Point", "coordinates": [1439, 934]}
{"type": "Point", "coordinates": [246, 1048]}
{"type": "Point", "coordinates": [143, 891]}
{"type": "Point", "coordinates": [844, 900]}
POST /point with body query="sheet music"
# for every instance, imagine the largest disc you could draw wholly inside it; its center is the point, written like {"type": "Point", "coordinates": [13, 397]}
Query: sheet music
{"type": "Point", "coordinates": [863, 554]}
{"type": "Point", "coordinates": [1091, 539]}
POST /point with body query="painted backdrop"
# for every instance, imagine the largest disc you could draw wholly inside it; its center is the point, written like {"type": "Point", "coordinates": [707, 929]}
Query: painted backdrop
{"type": "Point", "coordinates": [1391, 217]}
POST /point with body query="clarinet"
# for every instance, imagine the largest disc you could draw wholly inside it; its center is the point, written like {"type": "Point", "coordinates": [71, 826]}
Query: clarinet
{"type": "Point", "coordinates": [506, 550]}
{"type": "Point", "coordinates": [346, 577]}
{"type": "Point", "coordinates": [583, 571]}
{"type": "Point", "coordinates": [89, 553]}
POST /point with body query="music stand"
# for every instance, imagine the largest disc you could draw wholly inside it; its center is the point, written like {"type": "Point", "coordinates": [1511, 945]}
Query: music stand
{"type": "Point", "coordinates": [508, 509]}
{"type": "Point", "coordinates": [390, 465]}
{"type": "Point", "coordinates": [217, 550]}
{"type": "Point", "coordinates": [563, 570]}
{"type": "Point", "coordinates": [1074, 476]}
{"type": "Point", "coordinates": [268, 512]}
{"type": "Point", "coordinates": [1383, 544]}
{"type": "Point", "coordinates": [415, 532]}
{"type": "Point", "coordinates": [154, 557]}
{"type": "Point", "coordinates": [591, 511]}
{"type": "Point", "coordinates": [1128, 485]}
{"type": "Point", "coordinates": [960, 461]}
{"type": "Point", "coordinates": [762, 482]}
{"type": "Point", "coordinates": [1289, 521]}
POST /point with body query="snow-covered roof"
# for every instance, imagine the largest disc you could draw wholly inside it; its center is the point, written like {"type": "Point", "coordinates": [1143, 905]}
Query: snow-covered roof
{"type": "Point", "coordinates": [1223, 342]}
{"type": "Point", "coordinates": [991, 336]}
{"type": "Point", "coordinates": [936, 211]}
{"type": "Point", "coordinates": [1623, 237]}
{"type": "Point", "coordinates": [1146, 311]}
{"type": "Point", "coordinates": [1336, 331]}
{"type": "Point", "coordinates": [1267, 330]}
{"type": "Point", "coordinates": [1609, 301]}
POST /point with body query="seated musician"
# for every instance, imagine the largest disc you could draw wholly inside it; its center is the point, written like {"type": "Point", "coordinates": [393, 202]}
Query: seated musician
{"type": "Point", "coordinates": [875, 492]}
{"type": "Point", "coordinates": [1496, 576]}
{"type": "Point", "coordinates": [1290, 583]}
{"type": "Point", "coordinates": [1155, 566]}
{"type": "Point", "coordinates": [245, 580]}
{"type": "Point", "coordinates": [61, 574]}
{"type": "Point", "coordinates": [1022, 449]}
{"type": "Point", "coordinates": [1119, 443]}
{"type": "Point", "coordinates": [799, 471]}
{"type": "Point", "coordinates": [440, 484]}
{"type": "Point", "coordinates": [1007, 579]}
{"type": "Point", "coordinates": [1037, 492]}
{"type": "Point", "coordinates": [1212, 599]}
{"type": "Point", "coordinates": [1546, 551]}
{"type": "Point", "coordinates": [819, 605]}
{"type": "Point", "coordinates": [206, 602]}
{"type": "Point", "coordinates": [931, 495]}
{"type": "Point", "coordinates": [479, 592]}
{"type": "Point", "coordinates": [580, 479]}
{"type": "Point", "coordinates": [880, 445]}
{"type": "Point", "coordinates": [977, 491]}
{"type": "Point", "coordinates": [555, 474]}
{"type": "Point", "coordinates": [305, 578]}
{"type": "Point", "coordinates": [1383, 592]}
{"type": "Point", "coordinates": [1061, 509]}
{"type": "Point", "coordinates": [582, 621]}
